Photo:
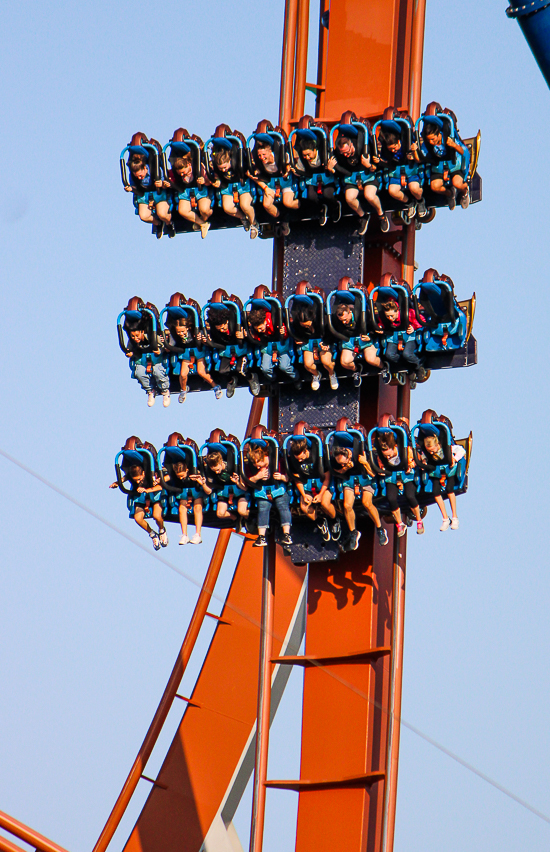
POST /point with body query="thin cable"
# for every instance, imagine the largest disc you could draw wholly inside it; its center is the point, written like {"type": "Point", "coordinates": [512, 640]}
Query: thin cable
{"type": "Point", "coordinates": [252, 621]}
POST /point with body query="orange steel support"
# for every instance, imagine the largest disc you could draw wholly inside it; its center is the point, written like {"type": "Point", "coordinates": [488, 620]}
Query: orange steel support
{"type": "Point", "coordinates": [28, 835]}
{"type": "Point", "coordinates": [302, 33]}
{"type": "Point", "coordinates": [211, 756]}
{"type": "Point", "coordinates": [7, 846]}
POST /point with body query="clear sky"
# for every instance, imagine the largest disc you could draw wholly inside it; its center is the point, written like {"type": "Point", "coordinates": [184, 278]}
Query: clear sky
{"type": "Point", "coordinates": [89, 624]}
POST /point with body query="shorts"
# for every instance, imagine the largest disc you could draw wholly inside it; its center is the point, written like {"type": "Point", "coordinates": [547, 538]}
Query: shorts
{"type": "Point", "coordinates": [313, 344]}
{"type": "Point", "coordinates": [460, 167]}
{"type": "Point", "coordinates": [155, 196]}
{"type": "Point", "coordinates": [366, 178]}
{"type": "Point", "coordinates": [315, 180]}
{"type": "Point", "coordinates": [196, 191]}
{"type": "Point", "coordinates": [144, 501]}
{"type": "Point", "coordinates": [365, 483]}
{"type": "Point", "coordinates": [239, 186]}
{"type": "Point", "coordinates": [411, 173]}
{"type": "Point", "coordinates": [355, 343]}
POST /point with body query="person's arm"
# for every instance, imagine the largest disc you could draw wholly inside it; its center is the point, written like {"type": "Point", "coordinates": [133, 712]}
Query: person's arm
{"type": "Point", "coordinates": [115, 483]}
{"type": "Point", "coordinates": [262, 474]}
{"type": "Point", "coordinates": [364, 462]}
{"type": "Point", "coordinates": [201, 481]}
{"type": "Point", "coordinates": [452, 143]}
{"type": "Point", "coordinates": [280, 477]}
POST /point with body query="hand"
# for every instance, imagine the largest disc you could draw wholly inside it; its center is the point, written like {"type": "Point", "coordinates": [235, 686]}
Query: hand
{"type": "Point", "coordinates": [158, 184]}
{"type": "Point", "coordinates": [196, 477]}
{"type": "Point", "coordinates": [113, 485]}
{"type": "Point", "coordinates": [166, 184]}
{"type": "Point", "coordinates": [262, 474]}
{"type": "Point", "coordinates": [332, 162]}
{"type": "Point", "coordinates": [279, 476]}
{"type": "Point", "coordinates": [362, 459]}
{"type": "Point", "coordinates": [410, 329]}
{"type": "Point", "coordinates": [141, 489]}
{"type": "Point", "coordinates": [307, 499]}
{"type": "Point", "coordinates": [200, 181]}
{"type": "Point", "coordinates": [365, 337]}
{"type": "Point", "coordinates": [316, 499]}
{"type": "Point", "coordinates": [239, 334]}
{"type": "Point", "coordinates": [324, 347]}
{"type": "Point", "coordinates": [414, 146]}
{"type": "Point", "coordinates": [128, 354]}
{"type": "Point", "coordinates": [128, 189]}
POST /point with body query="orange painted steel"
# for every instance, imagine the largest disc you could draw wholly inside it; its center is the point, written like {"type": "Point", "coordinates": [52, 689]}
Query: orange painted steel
{"type": "Point", "coordinates": [170, 693]}
{"type": "Point", "coordinates": [7, 846]}
{"type": "Point", "coordinates": [28, 835]}
{"type": "Point", "coordinates": [289, 62]}
{"type": "Point", "coordinates": [302, 33]}
{"type": "Point", "coordinates": [155, 728]}
{"type": "Point", "coordinates": [264, 700]}
{"type": "Point", "coordinates": [219, 723]}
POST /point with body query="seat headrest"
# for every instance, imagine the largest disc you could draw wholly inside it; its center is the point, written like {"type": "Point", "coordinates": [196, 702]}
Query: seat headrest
{"type": "Point", "coordinates": [264, 137]}
{"type": "Point", "coordinates": [133, 315]}
{"type": "Point", "coordinates": [261, 303]}
{"type": "Point", "coordinates": [179, 148]}
{"type": "Point", "coordinates": [344, 296]}
{"type": "Point", "coordinates": [348, 130]}
{"type": "Point", "coordinates": [175, 454]}
{"type": "Point", "coordinates": [178, 312]}
{"type": "Point", "coordinates": [139, 149]}
{"type": "Point", "coordinates": [429, 429]}
{"type": "Point", "coordinates": [391, 127]}
{"type": "Point", "coordinates": [304, 300]}
{"type": "Point", "coordinates": [222, 142]}
{"type": "Point", "coordinates": [433, 293]}
{"type": "Point", "coordinates": [131, 457]}
{"type": "Point", "coordinates": [388, 292]}
{"type": "Point", "coordinates": [305, 133]}
{"type": "Point", "coordinates": [434, 119]}
{"type": "Point", "coordinates": [343, 439]}
{"type": "Point", "coordinates": [218, 448]}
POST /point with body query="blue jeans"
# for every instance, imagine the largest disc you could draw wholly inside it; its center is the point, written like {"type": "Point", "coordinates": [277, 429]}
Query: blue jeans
{"type": "Point", "coordinates": [283, 507]}
{"type": "Point", "coordinates": [155, 380]}
{"type": "Point", "coordinates": [284, 364]}
{"type": "Point", "coordinates": [408, 353]}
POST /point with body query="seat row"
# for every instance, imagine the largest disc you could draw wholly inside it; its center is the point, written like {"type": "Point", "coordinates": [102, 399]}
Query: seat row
{"type": "Point", "coordinates": [334, 480]}
{"type": "Point", "coordinates": [313, 336]}
{"type": "Point", "coordinates": [353, 168]}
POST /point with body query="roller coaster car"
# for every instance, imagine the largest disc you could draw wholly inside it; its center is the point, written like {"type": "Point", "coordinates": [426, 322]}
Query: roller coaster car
{"type": "Point", "coordinates": [261, 437]}
{"type": "Point", "coordinates": [357, 297]}
{"type": "Point", "coordinates": [445, 324]}
{"type": "Point", "coordinates": [388, 289]}
{"type": "Point", "coordinates": [314, 439]}
{"type": "Point", "coordinates": [234, 142]}
{"type": "Point", "coordinates": [445, 119]}
{"type": "Point", "coordinates": [150, 149]}
{"type": "Point", "coordinates": [182, 142]}
{"type": "Point", "coordinates": [354, 128]}
{"type": "Point", "coordinates": [229, 447]}
{"type": "Point", "coordinates": [216, 339]}
{"type": "Point", "coordinates": [178, 449]}
{"type": "Point", "coordinates": [135, 452]}
{"type": "Point", "coordinates": [309, 130]}
{"type": "Point", "coordinates": [348, 436]}
{"type": "Point", "coordinates": [440, 427]}
{"type": "Point", "coordinates": [306, 296]}
{"type": "Point", "coordinates": [147, 315]}
{"type": "Point", "coordinates": [400, 430]}
{"type": "Point", "coordinates": [179, 307]}
{"type": "Point", "coordinates": [269, 300]}
{"type": "Point", "coordinates": [277, 139]}
{"type": "Point", "coordinates": [400, 123]}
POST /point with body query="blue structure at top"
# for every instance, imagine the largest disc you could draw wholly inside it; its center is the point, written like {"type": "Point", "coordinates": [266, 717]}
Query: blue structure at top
{"type": "Point", "coordinates": [533, 17]}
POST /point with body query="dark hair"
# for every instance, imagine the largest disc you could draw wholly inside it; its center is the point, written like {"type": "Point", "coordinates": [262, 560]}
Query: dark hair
{"type": "Point", "coordinates": [183, 160]}
{"type": "Point", "coordinates": [391, 303]}
{"type": "Point", "coordinates": [213, 458]}
{"type": "Point", "coordinates": [298, 447]}
{"type": "Point", "coordinates": [303, 313]}
{"type": "Point", "coordinates": [221, 155]}
{"type": "Point", "coordinates": [261, 143]}
{"type": "Point", "coordinates": [136, 469]}
{"type": "Point", "coordinates": [257, 316]}
{"type": "Point", "coordinates": [137, 161]}
{"type": "Point", "coordinates": [133, 325]}
{"type": "Point", "coordinates": [218, 316]}
{"type": "Point", "coordinates": [387, 441]}
{"type": "Point", "coordinates": [431, 128]}
{"type": "Point", "coordinates": [389, 137]}
{"type": "Point", "coordinates": [341, 306]}
{"type": "Point", "coordinates": [180, 465]}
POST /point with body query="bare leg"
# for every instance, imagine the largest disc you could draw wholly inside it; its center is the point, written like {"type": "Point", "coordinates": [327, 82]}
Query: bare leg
{"type": "Point", "coordinates": [182, 512]}
{"type": "Point", "coordinates": [205, 208]}
{"type": "Point", "coordinates": [438, 186]}
{"type": "Point", "coordinates": [157, 515]}
{"type": "Point", "coordinates": [371, 197]}
{"type": "Point", "coordinates": [415, 190]}
{"type": "Point", "coordinates": [349, 514]}
{"type": "Point", "coordinates": [366, 499]}
{"type": "Point", "coordinates": [347, 360]}
{"type": "Point", "coordinates": [327, 505]}
{"type": "Point", "coordinates": [139, 518]}
{"type": "Point", "coordinates": [145, 213]}
{"type": "Point", "coordinates": [230, 207]}
{"type": "Point", "coordinates": [246, 205]}
{"type": "Point", "coordinates": [370, 356]}
{"type": "Point", "coordinates": [352, 200]}
{"type": "Point", "coordinates": [396, 192]}
{"type": "Point", "coordinates": [201, 371]}
{"type": "Point", "coordinates": [197, 514]}
{"type": "Point", "coordinates": [452, 500]}
{"type": "Point", "coordinates": [163, 212]}
{"type": "Point", "coordinates": [290, 200]}
{"type": "Point", "coordinates": [327, 361]}
{"type": "Point", "coordinates": [309, 364]}
{"type": "Point", "coordinates": [184, 372]}
{"type": "Point", "coordinates": [242, 507]}
{"type": "Point", "coordinates": [441, 503]}
{"type": "Point", "coordinates": [186, 212]}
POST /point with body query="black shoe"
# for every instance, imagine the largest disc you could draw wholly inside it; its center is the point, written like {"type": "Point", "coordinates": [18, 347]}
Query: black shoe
{"type": "Point", "coordinates": [382, 536]}
{"type": "Point", "coordinates": [354, 540]}
{"type": "Point", "coordinates": [386, 372]}
{"type": "Point", "coordinates": [170, 230]}
{"type": "Point", "coordinates": [337, 214]}
{"type": "Point", "coordinates": [261, 541]}
{"type": "Point", "coordinates": [160, 230]}
{"type": "Point", "coordinates": [363, 225]}
{"type": "Point", "coordinates": [420, 374]}
{"type": "Point", "coordinates": [254, 384]}
{"type": "Point", "coordinates": [357, 379]}
{"type": "Point", "coordinates": [335, 530]}
{"type": "Point", "coordinates": [384, 223]}
{"type": "Point", "coordinates": [323, 215]}
{"type": "Point", "coordinates": [230, 389]}
{"type": "Point", "coordinates": [322, 526]}
{"type": "Point", "coordinates": [421, 209]}
{"type": "Point", "coordinates": [286, 540]}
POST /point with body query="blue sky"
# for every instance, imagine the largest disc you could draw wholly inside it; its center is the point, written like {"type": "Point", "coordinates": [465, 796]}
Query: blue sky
{"type": "Point", "coordinates": [89, 624]}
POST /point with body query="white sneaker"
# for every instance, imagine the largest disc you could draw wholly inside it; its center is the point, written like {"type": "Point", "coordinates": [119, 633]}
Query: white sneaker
{"type": "Point", "coordinates": [151, 398]}
{"type": "Point", "coordinates": [445, 524]}
{"type": "Point", "coordinates": [182, 396]}
{"type": "Point", "coordinates": [184, 539]}
{"type": "Point", "coordinates": [218, 391]}
{"type": "Point", "coordinates": [333, 381]}
{"type": "Point", "coordinates": [195, 539]}
{"type": "Point", "coordinates": [316, 382]}
{"type": "Point", "coordinates": [454, 523]}
{"type": "Point", "coordinates": [163, 537]}
{"type": "Point", "coordinates": [166, 399]}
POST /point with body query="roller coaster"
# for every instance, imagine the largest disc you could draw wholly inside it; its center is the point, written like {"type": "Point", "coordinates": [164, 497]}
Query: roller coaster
{"type": "Point", "coordinates": [353, 655]}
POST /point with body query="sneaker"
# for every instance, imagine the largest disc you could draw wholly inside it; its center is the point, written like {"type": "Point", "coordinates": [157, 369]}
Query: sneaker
{"type": "Point", "coordinates": [420, 527]}
{"type": "Point", "coordinates": [184, 539]}
{"type": "Point", "coordinates": [205, 227]}
{"type": "Point", "coordinates": [166, 399]}
{"type": "Point", "coordinates": [261, 541]}
{"type": "Point", "coordinates": [354, 537]}
{"type": "Point", "coordinates": [411, 211]}
{"type": "Point", "coordinates": [421, 209]}
{"type": "Point", "coordinates": [254, 231]}
{"type": "Point", "coordinates": [160, 230]}
{"type": "Point", "coordinates": [335, 530]}
{"type": "Point", "coordinates": [322, 526]}
{"type": "Point", "coordinates": [420, 374]}
{"type": "Point", "coordinates": [445, 524]}
{"type": "Point", "coordinates": [384, 223]}
{"type": "Point", "coordinates": [465, 199]}
{"type": "Point", "coordinates": [171, 231]}
{"type": "Point", "coordinates": [183, 396]}
{"type": "Point", "coordinates": [246, 224]}
{"type": "Point", "coordinates": [382, 536]}
{"type": "Point", "coordinates": [357, 379]}
{"type": "Point", "coordinates": [323, 215]}
{"type": "Point", "coordinates": [151, 399]}
{"type": "Point", "coordinates": [254, 384]}
{"type": "Point", "coordinates": [286, 540]}
{"type": "Point", "coordinates": [163, 536]}
{"type": "Point", "coordinates": [454, 523]}
{"type": "Point", "coordinates": [337, 215]}
{"type": "Point", "coordinates": [155, 539]}
{"type": "Point", "coordinates": [195, 539]}
{"type": "Point", "coordinates": [285, 229]}
{"type": "Point", "coordinates": [218, 392]}
{"type": "Point", "coordinates": [316, 382]}
{"type": "Point", "coordinates": [452, 199]}
{"type": "Point", "coordinates": [401, 530]}
{"type": "Point", "coordinates": [230, 389]}
{"type": "Point", "coordinates": [333, 381]}
{"type": "Point", "coordinates": [363, 225]}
